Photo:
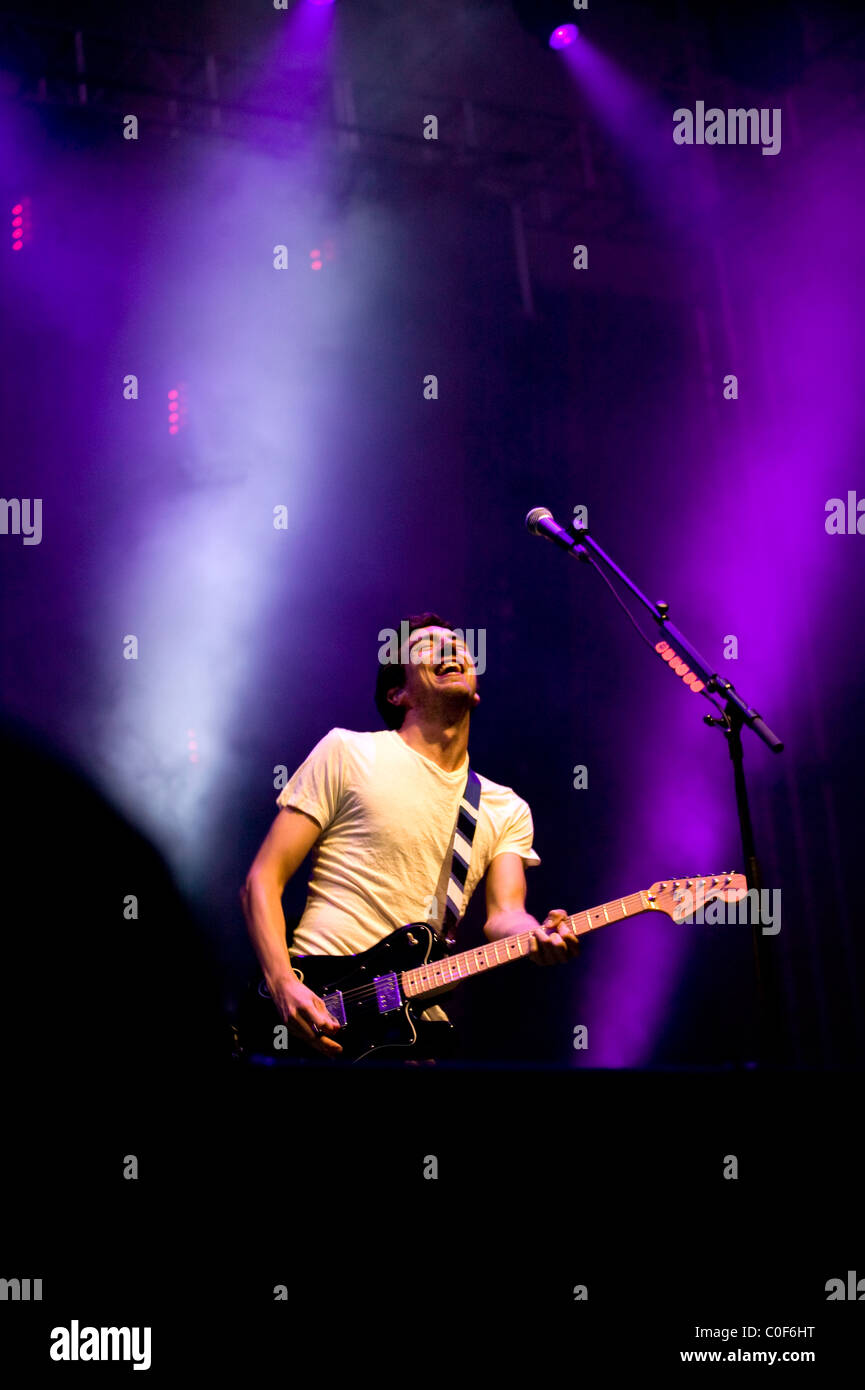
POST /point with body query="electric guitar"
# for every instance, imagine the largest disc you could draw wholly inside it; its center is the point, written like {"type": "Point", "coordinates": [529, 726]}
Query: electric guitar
{"type": "Point", "coordinates": [377, 996]}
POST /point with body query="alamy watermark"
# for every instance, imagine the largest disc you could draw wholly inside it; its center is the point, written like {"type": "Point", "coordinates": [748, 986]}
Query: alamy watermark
{"type": "Point", "coordinates": [20, 1290]}
{"type": "Point", "coordinates": [76, 1343]}
{"type": "Point", "coordinates": [846, 520]}
{"type": "Point", "coordinates": [394, 649]}
{"type": "Point", "coordinates": [758, 907]}
{"type": "Point", "coordinates": [736, 126]}
{"type": "Point", "coordinates": [21, 516]}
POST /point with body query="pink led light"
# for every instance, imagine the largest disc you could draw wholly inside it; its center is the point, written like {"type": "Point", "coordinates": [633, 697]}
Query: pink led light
{"type": "Point", "coordinates": [563, 36]}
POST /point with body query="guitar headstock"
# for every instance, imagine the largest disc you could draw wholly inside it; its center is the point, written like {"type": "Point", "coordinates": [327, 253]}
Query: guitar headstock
{"type": "Point", "coordinates": [679, 897]}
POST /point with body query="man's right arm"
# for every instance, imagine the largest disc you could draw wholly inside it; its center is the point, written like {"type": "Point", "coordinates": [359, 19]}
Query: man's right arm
{"type": "Point", "coordinates": [288, 842]}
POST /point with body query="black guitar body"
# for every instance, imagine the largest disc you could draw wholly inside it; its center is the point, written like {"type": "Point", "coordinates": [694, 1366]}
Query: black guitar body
{"type": "Point", "coordinates": [363, 993]}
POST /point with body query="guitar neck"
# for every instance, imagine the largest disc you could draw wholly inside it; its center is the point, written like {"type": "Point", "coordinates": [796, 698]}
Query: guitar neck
{"type": "Point", "coordinates": [441, 974]}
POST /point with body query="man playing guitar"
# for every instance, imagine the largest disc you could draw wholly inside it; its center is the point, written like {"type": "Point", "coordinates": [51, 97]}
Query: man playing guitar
{"type": "Point", "coordinates": [380, 810]}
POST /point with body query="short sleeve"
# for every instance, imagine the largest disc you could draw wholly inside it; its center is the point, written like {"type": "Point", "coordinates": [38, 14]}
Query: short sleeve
{"type": "Point", "coordinates": [517, 835]}
{"type": "Point", "coordinates": [317, 785]}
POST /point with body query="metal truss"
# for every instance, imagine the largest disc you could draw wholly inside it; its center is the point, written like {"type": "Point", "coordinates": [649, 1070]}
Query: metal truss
{"type": "Point", "coordinates": [555, 171]}
{"type": "Point", "coordinates": [552, 163]}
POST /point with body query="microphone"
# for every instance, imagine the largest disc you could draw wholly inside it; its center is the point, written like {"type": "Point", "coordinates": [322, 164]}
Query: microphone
{"type": "Point", "coordinates": [540, 522]}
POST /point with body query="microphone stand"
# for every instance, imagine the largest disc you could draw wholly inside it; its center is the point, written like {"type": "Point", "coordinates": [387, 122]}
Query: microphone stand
{"type": "Point", "coordinates": [736, 714]}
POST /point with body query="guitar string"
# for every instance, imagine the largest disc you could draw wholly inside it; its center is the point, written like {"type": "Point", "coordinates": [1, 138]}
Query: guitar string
{"type": "Point", "coordinates": [370, 989]}
{"type": "Point", "coordinates": [451, 961]}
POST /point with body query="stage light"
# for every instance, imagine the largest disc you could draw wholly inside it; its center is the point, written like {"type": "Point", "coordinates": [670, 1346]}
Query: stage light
{"type": "Point", "coordinates": [564, 35]}
{"type": "Point", "coordinates": [322, 253]}
{"type": "Point", "coordinates": [320, 2]}
{"type": "Point", "coordinates": [176, 409]}
{"type": "Point", "coordinates": [550, 21]}
{"type": "Point", "coordinates": [20, 224]}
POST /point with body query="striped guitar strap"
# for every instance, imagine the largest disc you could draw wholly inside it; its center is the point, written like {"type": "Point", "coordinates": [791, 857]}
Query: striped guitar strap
{"type": "Point", "coordinates": [461, 851]}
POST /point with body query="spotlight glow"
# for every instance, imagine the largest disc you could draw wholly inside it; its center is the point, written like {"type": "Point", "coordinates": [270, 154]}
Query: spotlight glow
{"type": "Point", "coordinates": [564, 35]}
{"type": "Point", "coordinates": [176, 408]}
{"type": "Point", "coordinates": [21, 224]}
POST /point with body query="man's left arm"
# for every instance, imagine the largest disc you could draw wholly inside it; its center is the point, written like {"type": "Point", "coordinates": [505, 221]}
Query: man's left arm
{"type": "Point", "coordinates": [507, 916]}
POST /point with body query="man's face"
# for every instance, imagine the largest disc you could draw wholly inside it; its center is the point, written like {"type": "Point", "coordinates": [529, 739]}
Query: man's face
{"type": "Point", "coordinates": [438, 667]}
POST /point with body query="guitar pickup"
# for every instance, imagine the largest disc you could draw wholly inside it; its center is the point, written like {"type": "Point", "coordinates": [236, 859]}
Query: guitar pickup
{"type": "Point", "coordinates": [335, 1007]}
{"type": "Point", "coordinates": [387, 993]}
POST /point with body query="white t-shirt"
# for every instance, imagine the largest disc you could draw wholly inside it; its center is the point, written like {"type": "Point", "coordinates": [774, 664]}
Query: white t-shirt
{"type": "Point", "coordinates": [387, 814]}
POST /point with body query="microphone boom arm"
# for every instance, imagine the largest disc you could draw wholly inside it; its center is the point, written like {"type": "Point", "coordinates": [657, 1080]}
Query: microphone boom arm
{"type": "Point", "coordinates": [541, 522]}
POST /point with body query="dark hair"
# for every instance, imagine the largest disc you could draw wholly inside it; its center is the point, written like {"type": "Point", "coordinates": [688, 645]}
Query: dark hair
{"type": "Point", "coordinates": [391, 674]}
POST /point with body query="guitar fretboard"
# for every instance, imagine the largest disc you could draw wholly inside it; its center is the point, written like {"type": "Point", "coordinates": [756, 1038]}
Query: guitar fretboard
{"type": "Point", "coordinates": [440, 973]}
